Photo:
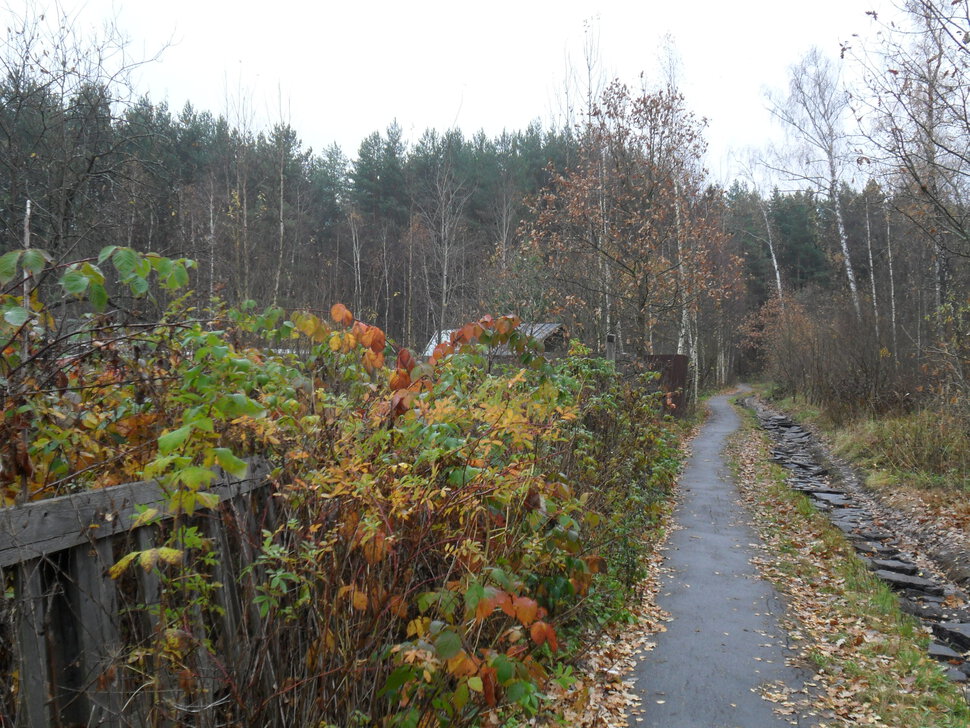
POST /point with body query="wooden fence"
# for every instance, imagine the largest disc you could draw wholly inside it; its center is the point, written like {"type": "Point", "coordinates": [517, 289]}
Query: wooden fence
{"type": "Point", "coordinates": [68, 631]}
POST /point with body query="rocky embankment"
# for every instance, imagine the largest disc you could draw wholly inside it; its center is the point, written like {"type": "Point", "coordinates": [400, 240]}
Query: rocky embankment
{"type": "Point", "coordinates": [929, 575]}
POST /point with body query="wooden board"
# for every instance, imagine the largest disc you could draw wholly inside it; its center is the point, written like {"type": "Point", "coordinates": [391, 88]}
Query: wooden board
{"type": "Point", "coordinates": [37, 529]}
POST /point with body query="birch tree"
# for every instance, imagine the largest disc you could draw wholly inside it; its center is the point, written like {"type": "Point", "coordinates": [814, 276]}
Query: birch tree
{"type": "Point", "coordinates": [917, 113]}
{"type": "Point", "coordinates": [814, 114]}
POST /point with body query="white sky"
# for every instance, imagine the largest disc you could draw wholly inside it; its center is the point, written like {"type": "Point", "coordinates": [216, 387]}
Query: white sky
{"type": "Point", "coordinates": [346, 69]}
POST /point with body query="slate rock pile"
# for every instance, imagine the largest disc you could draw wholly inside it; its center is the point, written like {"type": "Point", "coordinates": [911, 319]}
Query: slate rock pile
{"type": "Point", "coordinates": [925, 595]}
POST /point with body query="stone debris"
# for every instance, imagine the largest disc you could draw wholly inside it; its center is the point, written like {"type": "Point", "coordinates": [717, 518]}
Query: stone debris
{"type": "Point", "coordinates": [927, 596]}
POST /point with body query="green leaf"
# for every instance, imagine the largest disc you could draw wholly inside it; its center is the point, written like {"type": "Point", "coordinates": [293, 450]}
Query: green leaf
{"type": "Point", "coordinates": [171, 440]}
{"type": "Point", "coordinates": [125, 260]}
{"type": "Point", "coordinates": [473, 595]}
{"type": "Point", "coordinates": [229, 462]}
{"type": "Point", "coordinates": [8, 266]}
{"type": "Point", "coordinates": [180, 276]}
{"type": "Point", "coordinates": [501, 578]}
{"type": "Point", "coordinates": [195, 476]}
{"type": "Point", "coordinates": [460, 698]}
{"type": "Point", "coordinates": [462, 476]}
{"type": "Point", "coordinates": [93, 273]}
{"type": "Point", "coordinates": [241, 364]}
{"type": "Point", "coordinates": [517, 691]}
{"type": "Point", "coordinates": [106, 253]}
{"type": "Point", "coordinates": [75, 282]}
{"type": "Point", "coordinates": [34, 260]}
{"type": "Point", "coordinates": [235, 405]}
{"type": "Point", "coordinates": [162, 266]}
{"type": "Point", "coordinates": [425, 600]}
{"type": "Point", "coordinates": [208, 500]}
{"type": "Point", "coordinates": [182, 501]}
{"type": "Point", "coordinates": [447, 645]}
{"type": "Point", "coordinates": [138, 286]}
{"type": "Point", "coordinates": [98, 296]}
{"type": "Point", "coordinates": [396, 679]}
{"type": "Point", "coordinates": [475, 683]}
{"type": "Point", "coordinates": [504, 669]}
{"type": "Point", "coordinates": [16, 316]}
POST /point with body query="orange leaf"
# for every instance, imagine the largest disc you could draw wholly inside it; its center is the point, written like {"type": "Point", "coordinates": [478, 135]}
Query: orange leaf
{"type": "Point", "coordinates": [487, 603]}
{"type": "Point", "coordinates": [463, 665]}
{"type": "Point", "coordinates": [399, 379]}
{"type": "Point", "coordinates": [489, 681]}
{"type": "Point", "coordinates": [341, 314]}
{"type": "Point", "coordinates": [543, 632]}
{"type": "Point", "coordinates": [596, 564]}
{"type": "Point", "coordinates": [397, 606]}
{"type": "Point", "coordinates": [405, 360]}
{"type": "Point", "coordinates": [376, 548]}
{"type": "Point", "coordinates": [360, 600]}
{"type": "Point", "coordinates": [401, 401]}
{"type": "Point", "coordinates": [441, 351]}
{"type": "Point", "coordinates": [373, 361]}
{"type": "Point", "coordinates": [374, 339]}
{"type": "Point", "coordinates": [525, 610]}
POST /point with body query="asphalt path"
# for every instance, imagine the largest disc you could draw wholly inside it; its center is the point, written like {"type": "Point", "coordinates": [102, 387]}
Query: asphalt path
{"type": "Point", "coordinates": [723, 646]}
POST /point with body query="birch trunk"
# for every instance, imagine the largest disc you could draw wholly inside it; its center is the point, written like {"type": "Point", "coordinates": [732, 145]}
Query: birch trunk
{"type": "Point", "coordinates": [872, 271]}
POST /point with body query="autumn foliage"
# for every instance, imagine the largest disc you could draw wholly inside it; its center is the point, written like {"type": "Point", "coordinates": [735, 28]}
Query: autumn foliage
{"type": "Point", "coordinates": [442, 534]}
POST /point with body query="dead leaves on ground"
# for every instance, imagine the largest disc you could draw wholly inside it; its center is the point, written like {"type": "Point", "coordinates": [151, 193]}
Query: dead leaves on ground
{"type": "Point", "coordinates": [603, 695]}
{"type": "Point", "coordinates": [858, 650]}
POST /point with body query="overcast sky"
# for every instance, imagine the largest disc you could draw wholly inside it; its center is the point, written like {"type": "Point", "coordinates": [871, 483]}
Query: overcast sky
{"type": "Point", "coordinates": [338, 71]}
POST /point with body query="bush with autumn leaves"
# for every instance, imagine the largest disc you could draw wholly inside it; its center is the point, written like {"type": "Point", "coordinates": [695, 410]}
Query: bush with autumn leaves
{"type": "Point", "coordinates": [432, 561]}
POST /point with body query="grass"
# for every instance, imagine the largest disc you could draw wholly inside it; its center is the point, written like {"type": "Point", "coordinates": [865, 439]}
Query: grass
{"type": "Point", "coordinates": [926, 449]}
{"type": "Point", "coordinates": [870, 656]}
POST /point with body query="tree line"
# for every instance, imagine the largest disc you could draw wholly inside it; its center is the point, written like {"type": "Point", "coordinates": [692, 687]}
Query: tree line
{"type": "Point", "coordinates": [610, 225]}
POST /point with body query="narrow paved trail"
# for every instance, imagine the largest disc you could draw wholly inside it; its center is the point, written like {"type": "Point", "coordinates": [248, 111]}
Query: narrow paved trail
{"type": "Point", "coordinates": [724, 644]}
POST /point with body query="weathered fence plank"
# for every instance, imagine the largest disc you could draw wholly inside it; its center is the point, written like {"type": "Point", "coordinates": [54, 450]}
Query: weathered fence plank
{"type": "Point", "coordinates": [37, 529]}
{"type": "Point", "coordinates": [66, 610]}
{"type": "Point", "coordinates": [97, 615]}
{"type": "Point", "coordinates": [32, 667]}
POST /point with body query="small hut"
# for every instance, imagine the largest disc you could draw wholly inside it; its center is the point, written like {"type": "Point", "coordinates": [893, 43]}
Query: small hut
{"type": "Point", "coordinates": [554, 338]}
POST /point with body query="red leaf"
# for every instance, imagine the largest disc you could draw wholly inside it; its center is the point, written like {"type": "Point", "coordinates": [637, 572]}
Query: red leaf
{"type": "Point", "coordinates": [488, 676]}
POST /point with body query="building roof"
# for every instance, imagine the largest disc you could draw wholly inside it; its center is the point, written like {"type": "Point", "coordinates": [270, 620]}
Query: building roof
{"type": "Point", "coordinates": [538, 331]}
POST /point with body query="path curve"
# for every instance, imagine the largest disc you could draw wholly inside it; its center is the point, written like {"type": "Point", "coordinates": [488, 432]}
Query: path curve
{"type": "Point", "coordinates": [724, 642]}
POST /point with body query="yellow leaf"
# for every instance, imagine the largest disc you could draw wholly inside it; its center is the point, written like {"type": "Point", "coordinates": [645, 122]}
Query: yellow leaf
{"type": "Point", "coordinates": [169, 555]}
{"type": "Point", "coordinates": [115, 571]}
{"type": "Point", "coordinates": [146, 516]}
{"type": "Point", "coordinates": [147, 559]}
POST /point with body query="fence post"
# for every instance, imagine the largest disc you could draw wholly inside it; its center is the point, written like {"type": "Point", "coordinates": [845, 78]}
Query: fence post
{"type": "Point", "coordinates": [611, 347]}
{"type": "Point", "coordinates": [32, 648]}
